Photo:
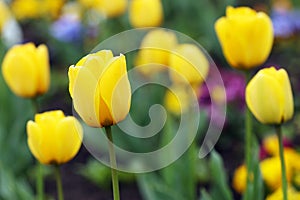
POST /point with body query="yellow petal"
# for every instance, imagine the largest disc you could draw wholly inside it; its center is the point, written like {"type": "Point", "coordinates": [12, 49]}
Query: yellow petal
{"type": "Point", "coordinates": [115, 89]}
{"type": "Point", "coordinates": [85, 87]}
{"type": "Point", "coordinates": [20, 73]}
{"type": "Point", "coordinates": [47, 122]}
{"type": "Point", "coordinates": [34, 137]}
{"type": "Point", "coordinates": [264, 98]}
{"type": "Point", "coordinates": [288, 104]}
{"type": "Point", "coordinates": [69, 134]}
{"type": "Point", "coordinates": [145, 13]}
{"type": "Point", "coordinates": [190, 63]}
{"type": "Point", "coordinates": [72, 74]}
{"type": "Point", "coordinates": [43, 68]}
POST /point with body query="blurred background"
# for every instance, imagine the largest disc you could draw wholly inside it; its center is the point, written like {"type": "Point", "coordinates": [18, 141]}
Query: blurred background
{"type": "Point", "coordinates": [71, 29]}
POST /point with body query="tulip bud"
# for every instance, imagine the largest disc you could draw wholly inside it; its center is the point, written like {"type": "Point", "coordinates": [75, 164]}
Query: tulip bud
{"type": "Point", "coordinates": [100, 88]}
{"type": "Point", "coordinates": [269, 96]}
{"type": "Point", "coordinates": [26, 70]}
{"type": "Point", "coordinates": [145, 13]}
{"type": "Point", "coordinates": [54, 138]}
{"type": "Point", "coordinates": [156, 48]}
{"type": "Point", "coordinates": [188, 62]}
{"type": "Point", "coordinates": [246, 37]}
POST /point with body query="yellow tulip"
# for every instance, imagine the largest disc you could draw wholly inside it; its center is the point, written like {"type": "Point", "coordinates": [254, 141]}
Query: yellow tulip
{"type": "Point", "coordinates": [177, 100]}
{"type": "Point", "coordinates": [156, 48]}
{"type": "Point", "coordinates": [100, 88]}
{"type": "Point", "coordinates": [112, 8]}
{"type": "Point", "coordinates": [145, 13]}
{"type": "Point", "coordinates": [54, 138]}
{"type": "Point", "coordinates": [271, 171]}
{"type": "Point", "coordinates": [291, 192]}
{"type": "Point", "coordinates": [246, 37]}
{"type": "Point", "coordinates": [26, 70]}
{"type": "Point", "coordinates": [240, 179]}
{"type": "Point", "coordinates": [188, 62]}
{"type": "Point", "coordinates": [269, 96]}
{"type": "Point", "coordinates": [26, 9]}
{"type": "Point", "coordinates": [5, 14]}
{"type": "Point", "coordinates": [51, 8]}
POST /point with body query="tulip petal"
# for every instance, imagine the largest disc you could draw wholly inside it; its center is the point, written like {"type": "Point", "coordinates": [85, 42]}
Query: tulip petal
{"type": "Point", "coordinates": [115, 88]}
{"type": "Point", "coordinates": [20, 76]}
{"type": "Point", "coordinates": [49, 144]}
{"type": "Point", "coordinates": [264, 98]}
{"type": "Point", "coordinates": [288, 103]}
{"type": "Point", "coordinates": [44, 68]}
{"type": "Point", "coordinates": [33, 140]}
{"type": "Point", "coordinates": [69, 137]}
{"type": "Point", "coordinates": [85, 87]}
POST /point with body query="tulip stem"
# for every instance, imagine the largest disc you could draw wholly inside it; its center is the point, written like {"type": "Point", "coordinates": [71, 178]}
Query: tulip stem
{"type": "Point", "coordinates": [39, 174]}
{"type": "Point", "coordinates": [40, 182]}
{"type": "Point", "coordinates": [283, 170]}
{"type": "Point", "coordinates": [60, 192]}
{"type": "Point", "coordinates": [113, 164]}
{"type": "Point", "coordinates": [248, 141]}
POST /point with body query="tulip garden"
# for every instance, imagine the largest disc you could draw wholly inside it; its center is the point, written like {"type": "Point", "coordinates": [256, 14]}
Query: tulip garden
{"type": "Point", "coordinates": [149, 99]}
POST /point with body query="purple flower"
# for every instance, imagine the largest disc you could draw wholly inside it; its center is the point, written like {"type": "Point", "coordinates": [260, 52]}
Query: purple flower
{"type": "Point", "coordinates": [286, 23]}
{"type": "Point", "coordinates": [67, 29]}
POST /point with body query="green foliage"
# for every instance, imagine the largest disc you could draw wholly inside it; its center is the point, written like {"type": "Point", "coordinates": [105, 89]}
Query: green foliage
{"type": "Point", "coordinates": [219, 188]}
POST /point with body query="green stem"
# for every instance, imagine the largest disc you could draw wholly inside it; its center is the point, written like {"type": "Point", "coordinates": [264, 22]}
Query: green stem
{"type": "Point", "coordinates": [40, 182]}
{"type": "Point", "coordinates": [35, 105]}
{"type": "Point", "coordinates": [248, 141]}
{"type": "Point", "coordinates": [59, 183]}
{"type": "Point", "coordinates": [39, 175]}
{"type": "Point", "coordinates": [113, 164]}
{"type": "Point", "coordinates": [248, 126]}
{"type": "Point", "coordinates": [283, 171]}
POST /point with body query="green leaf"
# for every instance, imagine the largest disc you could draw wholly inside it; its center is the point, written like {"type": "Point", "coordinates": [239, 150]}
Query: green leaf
{"type": "Point", "coordinates": [219, 178]}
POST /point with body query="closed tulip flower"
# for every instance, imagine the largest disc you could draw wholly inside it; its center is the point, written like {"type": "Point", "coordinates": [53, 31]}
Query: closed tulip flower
{"type": "Point", "coordinates": [156, 48]}
{"type": "Point", "coordinates": [112, 8]}
{"type": "Point", "coordinates": [100, 88]}
{"type": "Point", "coordinates": [188, 62]}
{"type": "Point", "coordinates": [269, 96]}
{"type": "Point", "coordinates": [54, 138]}
{"type": "Point", "coordinates": [145, 13]}
{"type": "Point", "coordinates": [246, 37]}
{"type": "Point", "coordinates": [26, 70]}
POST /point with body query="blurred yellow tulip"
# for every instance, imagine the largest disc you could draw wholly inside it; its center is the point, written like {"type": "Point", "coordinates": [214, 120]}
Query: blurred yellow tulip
{"type": "Point", "coordinates": [145, 13]}
{"type": "Point", "coordinates": [177, 99]}
{"type": "Point", "coordinates": [100, 88]}
{"type": "Point", "coordinates": [240, 179]}
{"type": "Point", "coordinates": [112, 8]}
{"type": "Point", "coordinates": [26, 70]}
{"type": "Point", "coordinates": [269, 96]}
{"type": "Point", "coordinates": [246, 37]}
{"type": "Point", "coordinates": [155, 48]}
{"type": "Point", "coordinates": [54, 138]}
{"type": "Point", "coordinates": [5, 14]}
{"type": "Point", "coordinates": [291, 192]}
{"type": "Point", "coordinates": [26, 9]}
{"type": "Point", "coordinates": [188, 62]}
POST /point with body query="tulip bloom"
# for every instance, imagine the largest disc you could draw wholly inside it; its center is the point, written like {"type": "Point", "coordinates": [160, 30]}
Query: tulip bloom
{"type": "Point", "coordinates": [26, 70]}
{"type": "Point", "coordinates": [269, 96]}
{"type": "Point", "coordinates": [188, 62]}
{"type": "Point", "coordinates": [100, 88]}
{"type": "Point", "coordinates": [145, 13]}
{"type": "Point", "coordinates": [54, 138]}
{"type": "Point", "coordinates": [246, 37]}
{"type": "Point", "coordinates": [112, 8]}
{"type": "Point", "coordinates": [156, 48]}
